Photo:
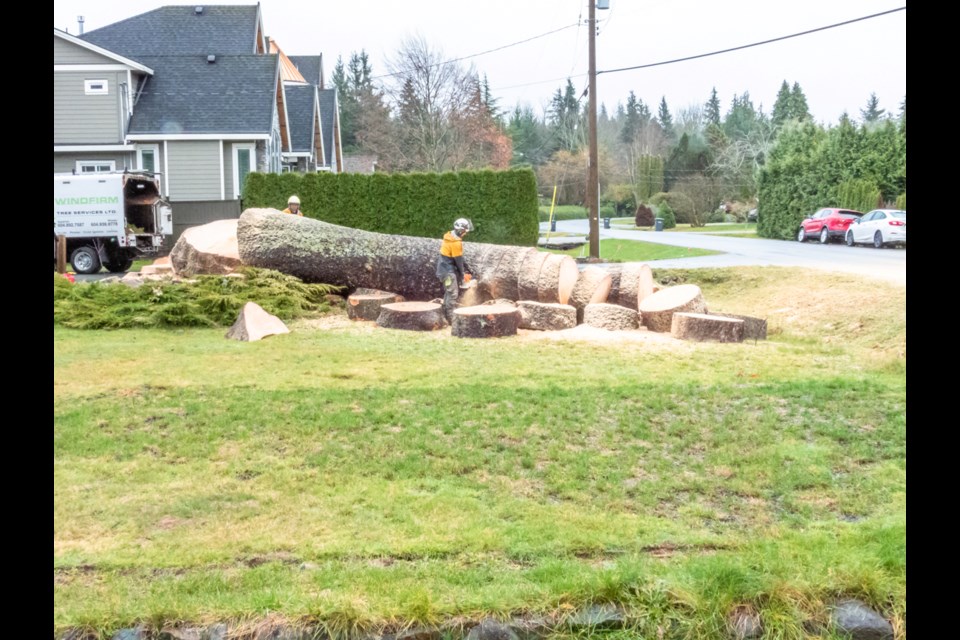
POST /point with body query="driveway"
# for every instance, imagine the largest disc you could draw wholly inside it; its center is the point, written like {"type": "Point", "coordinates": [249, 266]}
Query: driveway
{"type": "Point", "coordinates": [889, 264]}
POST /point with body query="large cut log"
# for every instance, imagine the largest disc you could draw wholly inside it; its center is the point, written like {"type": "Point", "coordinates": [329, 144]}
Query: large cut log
{"type": "Point", "coordinates": [412, 316]}
{"type": "Point", "coordinates": [701, 327]}
{"type": "Point", "coordinates": [656, 310]}
{"type": "Point", "coordinates": [647, 286]}
{"type": "Point", "coordinates": [610, 316]}
{"type": "Point", "coordinates": [753, 328]}
{"type": "Point", "coordinates": [316, 251]}
{"type": "Point", "coordinates": [254, 323]}
{"type": "Point", "coordinates": [558, 276]}
{"type": "Point", "coordinates": [485, 321]}
{"type": "Point", "coordinates": [628, 294]}
{"type": "Point", "coordinates": [528, 277]}
{"type": "Point", "coordinates": [593, 285]}
{"type": "Point", "coordinates": [546, 316]}
{"type": "Point", "coordinates": [210, 248]}
{"type": "Point", "coordinates": [366, 306]}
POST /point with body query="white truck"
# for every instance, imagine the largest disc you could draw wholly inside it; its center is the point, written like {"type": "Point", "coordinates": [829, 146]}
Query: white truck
{"type": "Point", "coordinates": [108, 219]}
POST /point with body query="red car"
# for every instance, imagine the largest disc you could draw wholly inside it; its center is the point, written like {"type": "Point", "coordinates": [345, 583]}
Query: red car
{"type": "Point", "coordinates": [827, 224]}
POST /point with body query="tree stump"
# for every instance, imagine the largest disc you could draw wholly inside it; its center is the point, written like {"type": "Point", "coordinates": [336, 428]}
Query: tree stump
{"type": "Point", "coordinates": [366, 306]}
{"type": "Point", "coordinates": [753, 328]}
{"type": "Point", "coordinates": [546, 316]}
{"type": "Point", "coordinates": [486, 321]}
{"type": "Point", "coordinates": [657, 309]}
{"type": "Point", "coordinates": [612, 317]}
{"type": "Point", "coordinates": [558, 276]}
{"type": "Point", "coordinates": [702, 327]}
{"type": "Point", "coordinates": [412, 316]}
{"type": "Point", "coordinates": [593, 285]}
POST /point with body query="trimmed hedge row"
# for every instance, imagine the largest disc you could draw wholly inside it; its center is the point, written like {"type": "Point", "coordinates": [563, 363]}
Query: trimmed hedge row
{"type": "Point", "coordinates": [501, 204]}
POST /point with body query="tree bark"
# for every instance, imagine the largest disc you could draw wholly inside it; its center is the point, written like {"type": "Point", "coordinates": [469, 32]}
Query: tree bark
{"type": "Point", "coordinates": [753, 328]}
{"type": "Point", "coordinates": [486, 321]}
{"type": "Point", "coordinates": [613, 317]}
{"type": "Point", "coordinates": [593, 285]}
{"type": "Point", "coordinates": [656, 310]}
{"type": "Point", "coordinates": [699, 326]}
{"type": "Point", "coordinates": [412, 316]}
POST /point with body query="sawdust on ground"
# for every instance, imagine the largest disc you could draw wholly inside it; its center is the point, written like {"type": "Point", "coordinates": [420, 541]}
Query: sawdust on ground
{"type": "Point", "coordinates": [580, 333]}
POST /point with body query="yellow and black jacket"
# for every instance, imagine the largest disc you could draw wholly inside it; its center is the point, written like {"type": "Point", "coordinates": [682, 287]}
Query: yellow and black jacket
{"type": "Point", "coordinates": [451, 257]}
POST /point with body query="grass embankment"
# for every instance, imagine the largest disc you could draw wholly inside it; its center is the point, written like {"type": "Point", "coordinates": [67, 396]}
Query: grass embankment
{"type": "Point", "coordinates": [363, 477]}
{"type": "Point", "coordinates": [617, 250]}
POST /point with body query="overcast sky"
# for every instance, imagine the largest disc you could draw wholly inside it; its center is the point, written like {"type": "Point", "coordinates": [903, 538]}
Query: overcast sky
{"type": "Point", "coordinates": [837, 68]}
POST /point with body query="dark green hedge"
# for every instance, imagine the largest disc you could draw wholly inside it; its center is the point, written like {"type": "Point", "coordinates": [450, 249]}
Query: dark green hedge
{"type": "Point", "coordinates": [501, 204]}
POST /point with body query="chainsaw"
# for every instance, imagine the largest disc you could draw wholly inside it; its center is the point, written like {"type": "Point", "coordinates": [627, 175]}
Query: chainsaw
{"type": "Point", "coordinates": [468, 282]}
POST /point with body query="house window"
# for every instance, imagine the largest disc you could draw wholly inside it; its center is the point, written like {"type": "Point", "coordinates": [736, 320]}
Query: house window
{"type": "Point", "coordinates": [244, 161]}
{"type": "Point", "coordinates": [95, 87]}
{"type": "Point", "coordinates": [95, 166]}
{"type": "Point", "coordinates": [147, 158]}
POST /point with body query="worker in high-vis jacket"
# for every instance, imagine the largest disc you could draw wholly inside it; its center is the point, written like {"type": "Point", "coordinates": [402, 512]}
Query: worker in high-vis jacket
{"type": "Point", "coordinates": [451, 269]}
{"type": "Point", "coordinates": [293, 206]}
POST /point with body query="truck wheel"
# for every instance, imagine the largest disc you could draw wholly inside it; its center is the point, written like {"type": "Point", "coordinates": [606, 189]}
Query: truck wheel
{"type": "Point", "coordinates": [119, 264]}
{"type": "Point", "coordinates": [85, 260]}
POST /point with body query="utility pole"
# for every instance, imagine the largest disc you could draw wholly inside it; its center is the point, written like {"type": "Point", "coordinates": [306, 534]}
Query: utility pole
{"type": "Point", "coordinates": [593, 176]}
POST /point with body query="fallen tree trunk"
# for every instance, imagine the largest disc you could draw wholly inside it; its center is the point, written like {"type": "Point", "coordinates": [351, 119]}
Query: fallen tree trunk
{"type": "Point", "coordinates": [753, 328]}
{"type": "Point", "coordinates": [412, 316]}
{"type": "Point", "coordinates": [316, 251]}
{"type": "Point", "coordinates": [701, 327]}
{"type": "Point", "coordinates": [656, 310]}
{"type": "Point", "coordinates": [486, 321]}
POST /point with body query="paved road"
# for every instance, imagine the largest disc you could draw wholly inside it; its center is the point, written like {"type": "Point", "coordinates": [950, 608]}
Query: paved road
{"type": "Point", "coordinates": [887, 264]}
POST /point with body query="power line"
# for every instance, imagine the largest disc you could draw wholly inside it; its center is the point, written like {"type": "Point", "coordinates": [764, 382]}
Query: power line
{"type": "Point", "coordinates": [482, 53]}
{"type": "Point", "coordinates": [755, 44]}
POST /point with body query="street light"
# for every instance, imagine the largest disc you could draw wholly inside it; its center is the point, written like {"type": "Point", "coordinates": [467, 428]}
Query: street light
{"type": "Point", "coordinates": [593, 176]}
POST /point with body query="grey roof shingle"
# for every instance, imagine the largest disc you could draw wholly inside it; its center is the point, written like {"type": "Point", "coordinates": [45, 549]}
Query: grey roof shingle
{"type": "Point", "coordinates": [300, 104]}
{"type": "Point", "coordinates": [235, 94]}
{"type": "Point", "coordinates": [310, 67]}
{"type": "Point", "coordinates": [179, 30]}
{"type": "Point", "coordinates": [328, 102]}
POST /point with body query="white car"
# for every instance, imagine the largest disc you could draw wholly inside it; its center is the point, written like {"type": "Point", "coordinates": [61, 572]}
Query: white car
{"type": "Point", "coordinates": [879, 227]}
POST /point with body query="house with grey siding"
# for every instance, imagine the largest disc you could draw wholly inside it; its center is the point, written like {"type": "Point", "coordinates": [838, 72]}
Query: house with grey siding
{"type": "Point", "coordinates": [191, 92]}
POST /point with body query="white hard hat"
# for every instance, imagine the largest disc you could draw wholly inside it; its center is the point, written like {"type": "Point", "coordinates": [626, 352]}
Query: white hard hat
{"type": "Point", "coordinates": [293, 200]}
{"type": "Point", "coordinates": [462, 224]}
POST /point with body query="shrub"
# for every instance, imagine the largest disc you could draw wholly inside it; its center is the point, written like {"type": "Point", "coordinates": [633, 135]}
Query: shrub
{"type": "Point", "coordinates": [669, 217]}
{"type": "Point", "coordinates": [644, 216]}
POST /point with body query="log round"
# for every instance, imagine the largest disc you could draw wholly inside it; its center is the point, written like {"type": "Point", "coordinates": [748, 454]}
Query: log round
{"type": "Point", "coordinates": [316, 251]}
{"type": "Point", "coordinates": [486, 321]}
{"type": "Point", "coordinates": [593, 285]}
{"type": "Point", "coordinates": [558, 276]}
{"type": "Point", "coordinates": [701, 327]}
{"type": "Point", "coordinates": [628, 294]}
{"type": "Point", "coordinates": [208, 249]}
{"type": "Point", "coordinates": [412, 316]}
{"type": "Point", "coordinates": [366, 306]}
{"type": "Point", "coordinates": [646, 286]}
{"type": "Point", "coordinates": [610, 316]}
{"type": "Point", "coordinates": [528, 278]}
{"type": "Point", "coordinates": [753, 328]}
{"type": "Point", "coordinates": [546, 316]}
{"type": "Point", "coordinates": [656, 310]}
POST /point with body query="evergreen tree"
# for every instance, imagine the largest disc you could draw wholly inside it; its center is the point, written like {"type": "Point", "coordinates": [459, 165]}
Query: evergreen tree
{"type": "Point", "coordinates": [872, 113]}
{"type": "Point", "coordinates": [712, 108]}
{"type": "Point", "coordinates": [633, 119]}
{"type": "Point", "coordinates": [665, 119]}
{"type": "Point", "coordinates": [742, 118]}
{"type": "Point", "coordinates": [565, 119]}
{"type": "Point", "coordinates": [798, 104]}
{"type": "Point", "coordinates": [532, 142]}
{"type": "Point", "coordinates": [782, 110]}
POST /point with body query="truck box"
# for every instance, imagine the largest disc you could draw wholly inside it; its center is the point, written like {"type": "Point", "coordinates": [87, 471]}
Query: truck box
{"type": "Point", "coordinates": [108, 219]}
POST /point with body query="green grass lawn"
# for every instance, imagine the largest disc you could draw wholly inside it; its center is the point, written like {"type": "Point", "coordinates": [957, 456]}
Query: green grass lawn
{"type": "Point", "coordinates": [365, 478]}
{"type": "Point", "coordinates": [617, 250]}
{"type": "Point", "coordinates": [745, 229]}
